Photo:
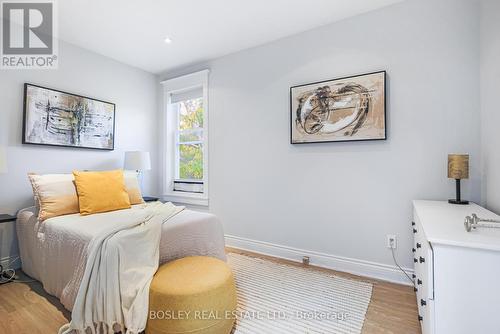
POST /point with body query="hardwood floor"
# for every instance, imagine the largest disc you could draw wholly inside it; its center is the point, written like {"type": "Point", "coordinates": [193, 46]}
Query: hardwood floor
{"type": "Point", "coordinates": [25, 308]}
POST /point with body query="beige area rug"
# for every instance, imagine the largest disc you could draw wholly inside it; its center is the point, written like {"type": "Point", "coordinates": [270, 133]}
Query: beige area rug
{"type": "Point", "coordinates": [277, 298]}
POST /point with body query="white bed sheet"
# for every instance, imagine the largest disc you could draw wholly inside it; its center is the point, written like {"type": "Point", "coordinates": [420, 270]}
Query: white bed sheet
{"type": "Point", "coordinates": [50, 250]}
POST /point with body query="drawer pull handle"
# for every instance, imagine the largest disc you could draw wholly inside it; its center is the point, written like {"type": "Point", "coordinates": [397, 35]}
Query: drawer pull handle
{"type": "Point", "coordinates": [412, 223]}
{"type": "Point", "coordinates": [420, 318]}
{"type": "Point", "coordinates": [415, 260]}
{"type": "Point", "coordinates": [419, 245]}
{"type": "Point", "coordinates": [422, 260]}
{"type": "Point", "coordinates": [423, 302]}
{"type": "Point", "coordinates": [414, 231]}
{"type": "Point", "coordinates": [419, 282]}
{"type": "Point", "coordinates": [413, 250]}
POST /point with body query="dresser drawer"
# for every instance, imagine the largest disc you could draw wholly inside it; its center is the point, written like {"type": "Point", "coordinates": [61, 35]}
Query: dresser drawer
{"type": "Point", "coordinates": [424, 280]}
{"type": "Point", "coordinates": [423, 261]}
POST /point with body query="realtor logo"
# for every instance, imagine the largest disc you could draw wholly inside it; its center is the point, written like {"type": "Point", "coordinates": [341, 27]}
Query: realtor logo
{"type": "Point", "coordinates": [28, 35]}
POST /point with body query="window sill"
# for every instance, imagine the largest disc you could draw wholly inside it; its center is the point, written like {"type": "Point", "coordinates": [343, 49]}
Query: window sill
{"type": "Point", "coordinates": [186, 198]}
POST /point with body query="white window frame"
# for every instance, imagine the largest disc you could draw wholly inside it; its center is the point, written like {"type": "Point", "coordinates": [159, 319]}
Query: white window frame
{"type": "Point", "coordinates": [169, 147]}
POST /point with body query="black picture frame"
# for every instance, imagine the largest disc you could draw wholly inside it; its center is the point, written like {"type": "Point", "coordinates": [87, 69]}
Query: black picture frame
{"type": "Point", "coordinates": [25, 141]}
{"type": "Point", "coordinates": [292, 112]}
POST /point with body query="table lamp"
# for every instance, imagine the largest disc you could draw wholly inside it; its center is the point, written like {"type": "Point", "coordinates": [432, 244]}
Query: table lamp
{"type": "Point", "coordinates": [458, 169]}
{"type": "Point", "coordinates": [138, 161]}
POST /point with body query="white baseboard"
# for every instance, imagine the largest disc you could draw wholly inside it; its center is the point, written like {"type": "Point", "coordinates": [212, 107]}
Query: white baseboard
{"type": "Point", "coordinates": [375, 270]}
{"type": "Point", "coordinates": [11, 262]}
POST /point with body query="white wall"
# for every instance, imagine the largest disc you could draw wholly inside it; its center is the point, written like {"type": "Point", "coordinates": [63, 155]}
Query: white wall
{"type": "Point", "coordinates": [343, 198]}
{"type": "Point", "coordinates": [89, 74]}
{"type": "Point", "coordinates": [490, 107]}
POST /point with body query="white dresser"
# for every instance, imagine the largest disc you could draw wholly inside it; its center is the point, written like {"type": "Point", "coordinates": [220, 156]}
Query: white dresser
{"type": "Point", "coordinates": [457, 273]}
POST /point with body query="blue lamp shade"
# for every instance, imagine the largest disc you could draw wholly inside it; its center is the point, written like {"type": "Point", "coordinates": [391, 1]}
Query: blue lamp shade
{"type": "Point", "coordinates": [137, 160]}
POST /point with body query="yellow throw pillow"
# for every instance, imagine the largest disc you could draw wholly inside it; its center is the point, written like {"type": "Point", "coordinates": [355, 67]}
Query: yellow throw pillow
{"type": "Point", "coordinates": [101, 191]}
{"type": "Point", "coordinates": [133, 188]}
{"type": "Point", "coordinates": [55, 195]}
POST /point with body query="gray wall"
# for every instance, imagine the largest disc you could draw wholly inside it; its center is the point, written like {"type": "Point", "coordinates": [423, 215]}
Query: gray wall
{"type": "Point", "coordinates": [86, 73]}
{"type": "Point", "coordinates": [490, 106]}
{"type": "Point", "coordinates": [343, 198]}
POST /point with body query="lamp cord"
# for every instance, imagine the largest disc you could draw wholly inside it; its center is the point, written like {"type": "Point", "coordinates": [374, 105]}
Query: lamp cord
{"type": "Point", "coordinates": [9, 275]}
{"type": "Point", "coordinates": [397, 264]}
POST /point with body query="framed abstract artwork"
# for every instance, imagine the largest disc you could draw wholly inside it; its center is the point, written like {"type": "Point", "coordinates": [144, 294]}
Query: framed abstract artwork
{"type": "Point", "coordinates": [339, 110]}
{"type": "Point", "coordinates": [56, 118]}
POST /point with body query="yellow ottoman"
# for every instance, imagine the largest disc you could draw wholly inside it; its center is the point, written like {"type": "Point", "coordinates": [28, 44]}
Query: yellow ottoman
{"type": "Point", "coordinates": [194, 295]}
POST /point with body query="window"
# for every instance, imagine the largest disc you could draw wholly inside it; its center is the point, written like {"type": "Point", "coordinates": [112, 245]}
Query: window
{"type": "Point", "coordinates": [189, 145]}
{"type": "Point", "coordinates": [186, 139]}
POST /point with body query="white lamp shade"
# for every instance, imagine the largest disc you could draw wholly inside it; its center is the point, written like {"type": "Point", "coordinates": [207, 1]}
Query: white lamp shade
{"type": "Point", "coordinates": [3, 160]}
{"type": "Point", "coordinates": [137, 160]}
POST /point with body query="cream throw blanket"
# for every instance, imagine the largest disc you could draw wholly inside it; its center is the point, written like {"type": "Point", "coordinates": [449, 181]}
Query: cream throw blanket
{"type": "Point", "coordinates": [114, 293]}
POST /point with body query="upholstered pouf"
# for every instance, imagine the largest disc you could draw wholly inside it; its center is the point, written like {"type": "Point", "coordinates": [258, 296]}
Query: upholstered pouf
{"type": "Point", "coordinates": [194, 295]}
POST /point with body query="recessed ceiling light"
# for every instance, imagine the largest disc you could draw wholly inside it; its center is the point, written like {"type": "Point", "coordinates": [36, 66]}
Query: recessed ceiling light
{"type": "Point", "coordinates": [168, 40]}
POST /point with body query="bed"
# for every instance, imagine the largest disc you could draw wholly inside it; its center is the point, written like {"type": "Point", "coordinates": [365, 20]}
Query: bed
{"type": "Point", "coordinates": [50, 251]}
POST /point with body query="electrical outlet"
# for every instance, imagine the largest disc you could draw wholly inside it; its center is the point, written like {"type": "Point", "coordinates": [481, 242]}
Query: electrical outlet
{"type": "Point", "coordinates": [391, 241]}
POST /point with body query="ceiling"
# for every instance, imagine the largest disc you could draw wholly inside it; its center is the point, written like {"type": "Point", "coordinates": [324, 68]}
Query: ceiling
{"type": "Point", "coordinates": [134, 32]}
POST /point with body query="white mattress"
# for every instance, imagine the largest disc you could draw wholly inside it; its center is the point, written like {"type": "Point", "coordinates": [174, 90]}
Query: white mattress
{"type": "Point", "coordinates": [50, 251]}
